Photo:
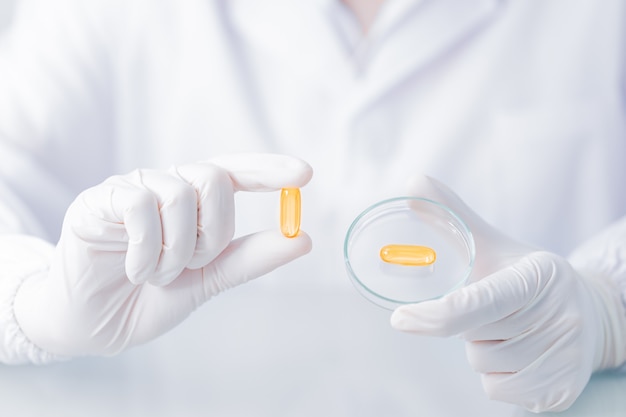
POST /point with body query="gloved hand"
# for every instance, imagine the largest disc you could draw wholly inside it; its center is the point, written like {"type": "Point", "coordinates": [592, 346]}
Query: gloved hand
{"type": "Point", "coordinates": [139, 252]}
{"type": "Point", "coordinates": [535, 328]}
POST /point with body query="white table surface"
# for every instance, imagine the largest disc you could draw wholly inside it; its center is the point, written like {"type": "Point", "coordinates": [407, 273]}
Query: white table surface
{"type": "Point", "coordinates": [269, 351]}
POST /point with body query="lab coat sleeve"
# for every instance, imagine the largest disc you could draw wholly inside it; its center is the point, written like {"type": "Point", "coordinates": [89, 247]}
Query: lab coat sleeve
{"type": "Point", "coordinates": [605, 255]}
{"type": "Point", "coordinates": [55, 132]}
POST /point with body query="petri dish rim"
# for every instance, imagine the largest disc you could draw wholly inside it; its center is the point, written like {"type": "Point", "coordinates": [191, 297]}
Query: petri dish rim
{"type": "Point", "coordinates": [391, 303]}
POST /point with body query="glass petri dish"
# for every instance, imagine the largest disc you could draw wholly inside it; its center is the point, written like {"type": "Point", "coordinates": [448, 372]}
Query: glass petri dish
{"type": "Point", "coordinates": [408, 221]}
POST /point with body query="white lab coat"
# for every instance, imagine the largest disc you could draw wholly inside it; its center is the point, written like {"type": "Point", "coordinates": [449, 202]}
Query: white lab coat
{"type": "Point", "coordinates": [518, 106]}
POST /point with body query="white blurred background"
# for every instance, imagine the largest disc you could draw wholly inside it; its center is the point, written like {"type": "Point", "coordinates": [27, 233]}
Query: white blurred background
{"type": "Point", "coordinates": [6, 11]}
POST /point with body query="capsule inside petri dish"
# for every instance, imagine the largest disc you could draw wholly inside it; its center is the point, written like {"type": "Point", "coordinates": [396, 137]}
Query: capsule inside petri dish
{"type": "Point", "coordinates": [408, 255]}
{"type": "Point", "coordinates": [290, 211]}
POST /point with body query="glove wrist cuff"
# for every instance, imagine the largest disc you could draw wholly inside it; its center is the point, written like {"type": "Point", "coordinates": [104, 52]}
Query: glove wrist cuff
{"type": "Point", "coordinates": [608, 300]}
{"type": "Point", "coordinates": [602, 259]}
{"type": "Point", "coordinates": [15, 347]}
{"type": "Point", "coordinates": [21, 258]}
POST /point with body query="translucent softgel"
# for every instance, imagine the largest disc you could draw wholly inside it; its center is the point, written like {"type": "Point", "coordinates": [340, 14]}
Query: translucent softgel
{"type": "Point", "coordinates": [290, 211]}
{"type": "Point", "coordinates": [408, 221]}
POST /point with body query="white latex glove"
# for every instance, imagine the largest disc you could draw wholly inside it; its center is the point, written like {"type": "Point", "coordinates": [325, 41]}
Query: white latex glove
{"type": "Point", "coordinates": [140, 252]}
{"type": "Point", "coordinates": [535, 329]}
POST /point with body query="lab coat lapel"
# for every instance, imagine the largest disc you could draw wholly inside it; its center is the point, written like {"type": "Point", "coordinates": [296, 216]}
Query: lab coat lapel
{"type": "Point", "coordinates": [429, 30]}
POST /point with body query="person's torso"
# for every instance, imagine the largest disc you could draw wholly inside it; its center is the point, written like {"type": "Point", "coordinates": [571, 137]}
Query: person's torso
{"type": "Point", "coordinates": [512, 104]}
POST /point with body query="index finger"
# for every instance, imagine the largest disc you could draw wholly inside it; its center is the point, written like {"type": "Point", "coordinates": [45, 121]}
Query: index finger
{"type": "Point", "coordinates": [264, 171]}
{"type": "Point", "coordinates": [486, 301]}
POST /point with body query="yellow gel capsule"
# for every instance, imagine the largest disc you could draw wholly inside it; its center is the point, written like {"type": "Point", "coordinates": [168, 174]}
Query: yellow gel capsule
{"type": "Point", "coordinates": [409, 255]}
{"type": "Point", "coordinates": [290, 211]}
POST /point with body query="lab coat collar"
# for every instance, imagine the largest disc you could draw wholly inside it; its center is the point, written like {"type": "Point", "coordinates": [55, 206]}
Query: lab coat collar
{"type": "Point", "coordinates": [407, 36]}
{"type": "Point", "coordinates": [390, 12]}
{"type": "Point", "coordinates": [412, 34]}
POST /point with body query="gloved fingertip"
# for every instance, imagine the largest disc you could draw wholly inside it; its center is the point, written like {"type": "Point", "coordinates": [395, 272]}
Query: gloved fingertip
{"type": "Point", "coordinates": [420, 184]}
{"type": "Point", "coordinates": [288, 248]}
{"type": "Point", "coordinates": [161, 281]}
{"type": "Point", "coordinates": [205, 256]}
{"type": "Point", "coordinates": [402, 319]}
{"type": "Point", "coordinates": [299, 169]}
{"type": "Point", "coordinates": [307, 173]}
{"type": "Point", "coordinates": [304, 242]}
{"type": "Point", "coordinates": [294, 172]}
{"type": "Point", "coordinates": [196, 263]}
{"type": "Point", "coordinates": [136, 279]}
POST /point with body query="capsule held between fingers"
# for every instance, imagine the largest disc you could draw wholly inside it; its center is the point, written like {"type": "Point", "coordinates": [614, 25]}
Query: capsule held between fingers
{"type": "Point", "coordinates": [290, 211]}
{"type": "Point", "coordinates": [408, 255]}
